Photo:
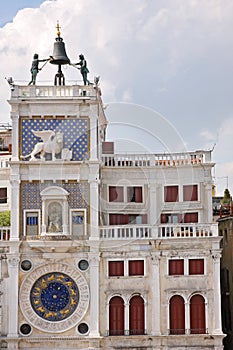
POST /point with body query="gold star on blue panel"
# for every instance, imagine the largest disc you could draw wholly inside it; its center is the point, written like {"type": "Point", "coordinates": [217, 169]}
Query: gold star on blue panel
{"type": "Point", "coordinates": [75, 134]}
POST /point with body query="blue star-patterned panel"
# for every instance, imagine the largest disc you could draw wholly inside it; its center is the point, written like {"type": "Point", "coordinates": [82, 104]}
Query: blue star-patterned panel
{"type": "Point", "coordinates": [75, 134]}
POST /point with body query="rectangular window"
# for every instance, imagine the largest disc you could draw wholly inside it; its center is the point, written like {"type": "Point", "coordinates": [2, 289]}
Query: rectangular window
{"type": "Point", "coordinates": [78, 223]}
{"type": "Point", "coordinates": [134, 194]}
{"type": "Point", "coordinates": [136, 267]}
{"type": "Point", "coordinates": [176, 267]}
{"type": "Point", "coordinates": [116, 194]}
{"type": "Point", "coordinates": [171, 193]}
{"type": "Point", "coordinates": [127, 219]}
{"type": "Point", "coordinates": [116, 268]}
{"type": "Point", "coordinates": [190, 218]}
{"type": "Point", "coordinates": [196, 266]}
{"type": "Point", "coordinates": [3, 195]}
{"type": "Point", "coordinates": [32, 223]}
{"type": "Point", "coordinates": [190, 193]}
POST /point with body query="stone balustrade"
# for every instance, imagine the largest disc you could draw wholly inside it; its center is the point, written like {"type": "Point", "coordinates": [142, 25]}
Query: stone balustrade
{"type": "Point", "coordinates": [156, 160]}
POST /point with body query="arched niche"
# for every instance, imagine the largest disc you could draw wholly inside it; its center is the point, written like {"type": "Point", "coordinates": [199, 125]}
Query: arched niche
{"type": "Point", "coordinates": [54, 211]}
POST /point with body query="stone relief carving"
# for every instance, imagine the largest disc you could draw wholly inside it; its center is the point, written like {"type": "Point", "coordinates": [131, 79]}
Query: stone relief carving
{"type": "Point", "coordinates": [52, 143]}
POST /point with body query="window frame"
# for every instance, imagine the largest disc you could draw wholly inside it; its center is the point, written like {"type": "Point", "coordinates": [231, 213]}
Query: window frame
{"type": "Point", "coordinates": [5, 197]}
{"type": "Point", "coordinates": [125, 194]}
{"type": "Point", "coordinates": [130, 261]}
{"type": "Point", "coordinates": [126, 267]}
{"type": "Point", "coordinates": [25, 221]}
{"type": "Point", "coordinates": [115, 261]}
{"type": "Point", "coordinates": [190, 198]}
{"type": "Point", "coordinates": [196, 259]}
{"type": "Point", "coordinates": [165, 194]}
{"type": "Point", "coordinates": [84, 211]}
{"type": "Point", "coordinates": [115, 187]}
{"type": "Point", "coordinates": [170, 261]}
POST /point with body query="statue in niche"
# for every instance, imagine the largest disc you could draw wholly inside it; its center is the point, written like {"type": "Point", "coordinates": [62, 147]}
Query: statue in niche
{"type": "Point", "coordinates": [54, 218]}
{"type": "Point", "coordinates": [52, 143]}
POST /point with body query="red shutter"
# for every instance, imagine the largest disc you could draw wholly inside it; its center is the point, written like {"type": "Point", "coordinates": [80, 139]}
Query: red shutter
{"type": "Point", "coordinates": [176, 267]}
{"type": "Point", "coordinates": [138, 194]}
{"type": "Point", "coordinates": [116, 316]}
{"type": "Point", "coordinates": [171, 194]}
{"type": "Point", "coordinates": [197, 315]}
{"type": "Point", "coordinates": [177, 315]}
{"type": "Point", "coordinates": [190, 193]}
{"type": "Point", "coordinates": [136, 315]}
{"type": "Point", "coordinates": [116, 268]}
{"type": "Point", "coordinates": [196, 266]}
{"type": "Point", "coordinates": [116, 194]}
{"type": "Point", "coordinates": [118, 219]}
{"type": "Point", "coordinates": [3, 195]}
{"type": "Point", "coordinates": [190, 218]}
{"type": "Point", "coordinates": [134, 194]}
{"type": "Point", "coordinates": [136, 267]}
{"type": "Point", "coordinates": [163, 218]}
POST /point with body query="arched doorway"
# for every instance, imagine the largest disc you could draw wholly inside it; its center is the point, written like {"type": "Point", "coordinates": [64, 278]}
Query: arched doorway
{"type": "Point", "coordinates": [177, 315]}
{"type": "Point", "coordinates": [197, 315]}
{"type": "Point", "coordinates": [136, 315]}
{"type": "Point", "coordinates": [116, 316]}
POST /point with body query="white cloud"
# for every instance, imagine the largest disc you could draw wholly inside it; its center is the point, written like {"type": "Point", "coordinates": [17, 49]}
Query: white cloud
{"type": "Point", "coordinates": [174, 56]}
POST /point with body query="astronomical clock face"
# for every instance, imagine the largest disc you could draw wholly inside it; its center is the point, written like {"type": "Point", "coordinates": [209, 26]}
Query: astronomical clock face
{"type": "Point", "coordinates": [54, 297]}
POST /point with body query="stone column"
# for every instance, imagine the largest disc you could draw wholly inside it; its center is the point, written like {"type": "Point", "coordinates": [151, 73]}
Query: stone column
{"type": "Point", "coordinates": [15, 136]}
{"type": "Point", "coordinates": [15, 203]}
{"type": "Point", "coordinates": [94, 294]}
{"type": "Point", "coordinates": [126, 325]}
{"type": "Point", "coordinates": [217, 326]}
{"type": "Point", "coordinates": [94, 203]}
{"type": "Point", "coordinates": [208, 202]}
{"type": "Point", "coordinates": [154, 206]}
{"type": "Point", "coordinates": [12, 301]}
{"type": "Point", "coordinates": [187, 316]}
{"type": "Point", "coordinates": [155, 312]}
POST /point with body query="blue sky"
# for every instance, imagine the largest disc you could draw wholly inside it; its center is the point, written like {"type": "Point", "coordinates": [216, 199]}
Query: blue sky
{"type": "Point", "coordinates": [170, 58]}
{"type": "Point", "coordinates": [11, 7]}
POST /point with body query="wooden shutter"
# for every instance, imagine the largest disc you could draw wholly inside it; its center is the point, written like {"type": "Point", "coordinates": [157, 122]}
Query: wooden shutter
{"type": "Point", "coordinates": [136, 267]}
{"type": "Point", "coordinates": [136, 315]}
{"type": "Point", "coordinates": [118, 219]}
{"type": "Point", "coordinates": [196, 266]}
{"type": "Point", "coordinates": [116, 268]}
{"type": "Point", "coordinates": [3, 195]}
{"type": "Point", "coordinates": [177, 315]}
{"type": "Point", "coordinates": [197, 315]}
{"type": "Point", "coordinates": [190, 218]}
{"type": "Point", "coordinates": [190, 193]}
{"type": "Point", "coordinates": [171, 194]}
{"type": "Point", "coordinates": [134, 194]}
{"type": "Point", "coordinates": [116, 316]}
{"type": "Point", "coordinates": [176, 267]}
{"type": "Point", "coordinates": [116, 194]}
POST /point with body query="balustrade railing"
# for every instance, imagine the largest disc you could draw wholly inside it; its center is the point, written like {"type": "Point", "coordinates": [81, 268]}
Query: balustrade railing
{"type": "Point", "coordinates": [132, 232]}
{"type": "Point", "coordinates": [54, 91]}
{"type": "Point", "coordinates": [156, 160]}
{"type": "Point", "coordinates": [158, 232]}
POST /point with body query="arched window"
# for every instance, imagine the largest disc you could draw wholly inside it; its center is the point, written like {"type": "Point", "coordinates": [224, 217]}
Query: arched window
{"type": "Point", "coordinates": [136, 315]}
{"type": "Point", "coordinates": [197, 315]}
{"type": "Point", "coordinates": [177, 315]}
{"type": "Point", "coordinates": [116, 316]}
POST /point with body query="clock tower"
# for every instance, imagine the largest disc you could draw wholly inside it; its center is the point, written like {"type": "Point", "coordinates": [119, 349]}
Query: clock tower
{"type": "Point", "coordinates": [54, 256]}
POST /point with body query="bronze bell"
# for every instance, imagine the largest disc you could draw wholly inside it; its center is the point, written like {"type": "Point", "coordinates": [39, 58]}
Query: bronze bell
{"type": "Point", "coordinates": [59, 56]}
